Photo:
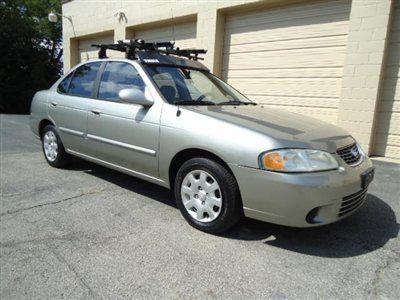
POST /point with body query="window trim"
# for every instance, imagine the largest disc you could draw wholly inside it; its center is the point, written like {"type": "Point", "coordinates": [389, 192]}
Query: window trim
{"type": "Point", "coordinates": [96, 86]}
{"type": "Point", "coordinates": [69, 82]}
{"type": "Point", "coordinates": [100, 76]}
{"type": "Point", "coordinates": [73, 74]}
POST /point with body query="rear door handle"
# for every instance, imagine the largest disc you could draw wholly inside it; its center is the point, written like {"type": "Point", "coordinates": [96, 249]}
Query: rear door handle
{"type": "Point", "coordinates": [53, 103]}
{"type": "Point", "coordinates": [96, 111]}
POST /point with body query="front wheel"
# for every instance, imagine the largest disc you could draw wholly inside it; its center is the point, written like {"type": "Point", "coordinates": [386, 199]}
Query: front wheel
{"type": "Point", "coordinates": [207, 195]}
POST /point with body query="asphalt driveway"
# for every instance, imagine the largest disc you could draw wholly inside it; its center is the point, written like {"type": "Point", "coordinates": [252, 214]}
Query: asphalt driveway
{"type": "Point", "coordinates": [90, 232]}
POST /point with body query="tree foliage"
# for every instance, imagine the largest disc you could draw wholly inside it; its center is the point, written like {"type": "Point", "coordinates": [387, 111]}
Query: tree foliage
{"type": "Point", "coordinates": [30, 51]}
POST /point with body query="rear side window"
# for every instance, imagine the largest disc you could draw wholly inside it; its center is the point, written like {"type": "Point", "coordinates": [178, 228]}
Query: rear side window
{"type": "Point", "coordinates": [83, 80]}
{"type": "Point", "coordinates": [118, 76]}
{"type": "Point", "coordinates": [64, 84]}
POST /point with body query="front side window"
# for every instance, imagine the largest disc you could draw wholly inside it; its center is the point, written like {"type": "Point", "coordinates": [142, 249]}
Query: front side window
{"type": "Point", "coordinates": [118, 76]}
{"type": "Point", "coordinates": [185, 86]}
{"type": "Point", "coordinates": [83, 80]}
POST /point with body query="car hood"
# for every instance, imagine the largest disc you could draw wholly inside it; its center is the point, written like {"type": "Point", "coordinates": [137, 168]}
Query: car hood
{"type": "Point", "coordinates": [288, 129]}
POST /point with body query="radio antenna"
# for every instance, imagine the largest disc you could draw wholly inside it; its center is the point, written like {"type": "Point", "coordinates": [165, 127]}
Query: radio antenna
{"type": "Point", "coordinates": [173, 25]}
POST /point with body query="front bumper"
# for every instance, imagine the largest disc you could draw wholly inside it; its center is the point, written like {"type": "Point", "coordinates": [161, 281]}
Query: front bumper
{"type": "Point", "coordinates": [301, 200]}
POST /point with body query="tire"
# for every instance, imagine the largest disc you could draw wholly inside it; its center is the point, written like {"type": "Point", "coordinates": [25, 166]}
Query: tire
{"type": "Point", "coordinates": [212, 208]}
{"type": "Point", "coordinates": [52, 141]}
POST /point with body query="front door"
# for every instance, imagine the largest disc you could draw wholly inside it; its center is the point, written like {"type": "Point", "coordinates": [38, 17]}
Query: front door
{"type": "Point", "coordinates": [125, 135]}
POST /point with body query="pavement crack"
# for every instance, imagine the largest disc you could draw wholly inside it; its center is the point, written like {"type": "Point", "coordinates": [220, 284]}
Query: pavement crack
{"type": "Point", "coordinates": [66, 238]}
{"type": "Point", "coordinates": [79, 240]}
{"type": "Point", "coordinates": [12, 212]}
{"type": "Point", "coordinates": [380, 270]}
{"type": "Point", "coordinates": [75, 273]}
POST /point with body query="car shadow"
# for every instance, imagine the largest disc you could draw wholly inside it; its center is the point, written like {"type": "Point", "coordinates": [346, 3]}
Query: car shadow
{"type": "Point", "coordinates": [369, 229]}
{"type": "Point", "coordinates": [124, 181]}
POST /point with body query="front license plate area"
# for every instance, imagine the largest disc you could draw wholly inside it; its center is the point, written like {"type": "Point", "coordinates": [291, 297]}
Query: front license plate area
{"type": "Point", "coordinates": [367, 177]}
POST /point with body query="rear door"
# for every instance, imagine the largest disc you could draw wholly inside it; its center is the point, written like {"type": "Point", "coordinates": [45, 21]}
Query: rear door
{"type": "Point", "coordinates": [125, 135]}
{"type": "Point", "coordinates": [68, 107]}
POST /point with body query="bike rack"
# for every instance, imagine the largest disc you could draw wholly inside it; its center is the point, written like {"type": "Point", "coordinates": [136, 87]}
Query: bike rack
{"type": "Point", "coordinates": [132, 47]}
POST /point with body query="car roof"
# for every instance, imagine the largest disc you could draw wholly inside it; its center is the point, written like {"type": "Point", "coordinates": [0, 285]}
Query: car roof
{"type": "Point", "coordinates": [144, 58]}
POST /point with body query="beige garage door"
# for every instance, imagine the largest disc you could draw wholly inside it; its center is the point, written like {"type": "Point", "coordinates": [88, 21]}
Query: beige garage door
{"type": "Point", "coordinates": [184, 34]}
{"type": "Point", "coordinates": [290, 57]}
{"type": "Point", "coordinates": [86, 51]}
{"type": "Point", "coordinates": [387, 133]}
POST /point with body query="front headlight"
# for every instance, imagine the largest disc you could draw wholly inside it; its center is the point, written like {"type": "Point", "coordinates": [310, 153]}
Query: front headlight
{"type": "Point", "coordinates": [361, 150]}
{"type": "Point", "coordinates": [297, 160]}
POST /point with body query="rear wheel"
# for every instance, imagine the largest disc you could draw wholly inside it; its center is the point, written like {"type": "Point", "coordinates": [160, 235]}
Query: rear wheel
{"type": "Point", "coordinates": [53, 148]}
{"type": "Point", "coordinates": [207, 195]}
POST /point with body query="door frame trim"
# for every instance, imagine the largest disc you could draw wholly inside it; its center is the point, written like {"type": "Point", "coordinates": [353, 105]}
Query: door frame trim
{"type": "Point", "coordinates": [70, 131]}
{"type": "Point", "coordinates": [122, 145]}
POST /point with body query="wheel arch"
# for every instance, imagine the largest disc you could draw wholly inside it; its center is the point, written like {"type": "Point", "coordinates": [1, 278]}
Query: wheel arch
{"type": "Point", "coordinates": [184, 155]}
{"type": "Point", "coordinates": [43, 123]}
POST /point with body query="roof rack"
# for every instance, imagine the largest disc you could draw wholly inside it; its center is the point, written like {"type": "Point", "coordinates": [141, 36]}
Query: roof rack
{"type": "Point", "coordinates": [131, 47]}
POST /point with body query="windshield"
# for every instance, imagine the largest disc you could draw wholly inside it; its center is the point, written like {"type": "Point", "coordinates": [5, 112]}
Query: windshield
{"type": "Point", "coordinates": [192, 87]}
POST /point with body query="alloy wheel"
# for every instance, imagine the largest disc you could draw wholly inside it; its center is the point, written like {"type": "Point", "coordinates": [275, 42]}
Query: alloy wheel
{"type": "Point", "coordinates": [50, 146]}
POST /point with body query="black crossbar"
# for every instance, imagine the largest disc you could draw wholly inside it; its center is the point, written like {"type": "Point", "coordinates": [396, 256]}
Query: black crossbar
{"type": "Point", "coordinates": [131, 47]}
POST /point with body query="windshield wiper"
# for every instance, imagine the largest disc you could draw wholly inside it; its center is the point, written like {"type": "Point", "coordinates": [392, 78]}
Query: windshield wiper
{"type": "Point", "coordinates": [236, 102]}
{"type": "Point", "coordinates": [192, 102]}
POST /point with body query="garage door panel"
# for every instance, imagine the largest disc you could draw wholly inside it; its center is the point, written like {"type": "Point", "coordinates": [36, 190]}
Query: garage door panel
{"type": "Point", "coordinates": [392, 71]}
{"type": "Point", "coordinates": [328, 114]}
{"type": "Point", "coordinates": [396, 21]}
{"type": "Point", "coordinates": [388, 150]}
{"type": "Point", "coordinates": [320, 57]}
{"type": "Point", "coordinates": [184, 38]}
{"type": "Point", "coordinates": [185, 43]}
{"type": "Point", "coordinates": [388, 105]}
{"type": "Point", "coordinates": [323, 42]}
{"type": "Point", "coordinates": [338, 9]}
{"type": "Point", "coordinates": [395, 38]}
{"type": "Point", "coordinates": [184, 34]}
{"type": "Point", "coordinates": [394, 54]}
{"type": "Point", "coordinates": [383, 139]}
{"type": "Point", "coordinates": [391, 92]}
{"type": "Point", "coordinates": [186, 31]}
{"type": "Point", "coordinates": [389, 123]}
{"type": "Point", "coordinates": [306, 102]}
{"type": "Point", "coordinates": [289, 87]}
{"type": "Point", "coordinates": [236, 37]}
{"type": "Point", "coordinates": [86, 51]}
{"type": "Point", "coordinates": [290, 57]}
{"type": "Point", "coordinates": [329, 72]}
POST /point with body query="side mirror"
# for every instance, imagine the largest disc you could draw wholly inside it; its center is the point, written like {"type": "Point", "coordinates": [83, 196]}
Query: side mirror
{"type": "Point", "coordinates": [135, 96]}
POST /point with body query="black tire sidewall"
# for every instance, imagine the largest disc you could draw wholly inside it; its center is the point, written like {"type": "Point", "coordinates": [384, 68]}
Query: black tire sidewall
{"type": "Point", "coordinates": [231, 209]}
{"type": "Point", "coordinates": [61, 158]}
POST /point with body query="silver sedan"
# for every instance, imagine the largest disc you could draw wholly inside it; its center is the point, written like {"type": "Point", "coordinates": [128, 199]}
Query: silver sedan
{"type": "Point", "coordinates": [177, 125]}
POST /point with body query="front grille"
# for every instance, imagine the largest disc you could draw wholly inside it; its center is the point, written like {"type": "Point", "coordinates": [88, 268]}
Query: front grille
{"type": "Point", "coordinates": [350, 154]}
{"type": "Point", "coordinates": [352, 202]}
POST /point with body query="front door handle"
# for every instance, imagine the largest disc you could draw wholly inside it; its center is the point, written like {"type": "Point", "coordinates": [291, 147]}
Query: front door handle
{"type": "Point", "coordinates": [96, 111]}
{"type": "Point", "coordinates": [53, 103]}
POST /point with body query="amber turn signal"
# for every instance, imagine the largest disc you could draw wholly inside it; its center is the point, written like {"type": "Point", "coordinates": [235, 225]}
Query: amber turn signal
{"type": "Point", "coordinates": [273, 161]}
